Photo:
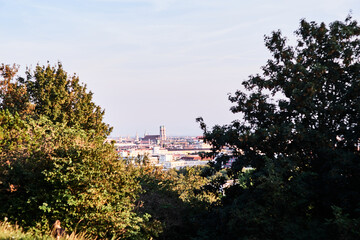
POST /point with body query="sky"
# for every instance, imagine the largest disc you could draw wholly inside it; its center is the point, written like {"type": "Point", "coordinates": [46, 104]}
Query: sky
{"type": "Point", "coordinates": [156, 62]}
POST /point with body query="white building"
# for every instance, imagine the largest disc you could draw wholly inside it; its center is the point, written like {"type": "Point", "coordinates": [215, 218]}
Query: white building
{"type": "Point", "coordinates": [165, 158]}
{"type": "Point", "coordinates": [181, 164]}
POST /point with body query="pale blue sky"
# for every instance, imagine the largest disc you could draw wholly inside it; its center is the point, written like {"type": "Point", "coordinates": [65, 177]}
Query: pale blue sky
{"type": "Point", "coordinates": [156, 62]}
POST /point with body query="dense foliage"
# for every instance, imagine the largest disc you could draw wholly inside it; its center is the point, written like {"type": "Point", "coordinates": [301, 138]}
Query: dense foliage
{"type": "Point", "coordinates": [299, 129]}
{"type": "Point", "coordinates": [54, 162]}
{"type": "Point", "coordinates": [176, 199]}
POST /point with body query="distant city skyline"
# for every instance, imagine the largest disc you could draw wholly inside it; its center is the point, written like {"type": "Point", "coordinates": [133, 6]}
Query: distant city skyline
{"type": "Point", "coordinates": [147, 133]}
{"type": "Point", "coordinates": [156, 62]}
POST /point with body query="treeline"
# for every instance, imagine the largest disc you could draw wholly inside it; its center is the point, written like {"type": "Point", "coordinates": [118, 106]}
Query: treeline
{"type": "Point", "coordinates": [298, 129]}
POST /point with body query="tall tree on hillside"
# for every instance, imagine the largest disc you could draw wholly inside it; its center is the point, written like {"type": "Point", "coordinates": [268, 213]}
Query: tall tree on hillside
{"type": "Point", "coordinates": [62, 98]}
{"type": "Point", "coordinates": [54, 163]}
{"type": "Point", "coordinates": [300, 131]}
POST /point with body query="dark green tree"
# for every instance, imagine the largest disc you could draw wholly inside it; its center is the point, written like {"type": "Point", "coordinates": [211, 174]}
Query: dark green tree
{"type": "Point", "coordinates": [299, 129]}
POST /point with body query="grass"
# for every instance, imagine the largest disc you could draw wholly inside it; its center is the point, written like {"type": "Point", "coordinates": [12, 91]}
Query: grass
{"type": "Point", "coordinates": [14, 232]}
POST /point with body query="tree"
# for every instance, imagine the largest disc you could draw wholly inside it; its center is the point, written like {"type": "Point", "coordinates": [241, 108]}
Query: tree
{"type": "Point", "coordinates": [300, 132]}
{"type": "Point", "coordinates": [54, 163]}
{"type": "Point", "coordinates": [50, 171]}
{"type": "Point", "coordinates": [64, 99]}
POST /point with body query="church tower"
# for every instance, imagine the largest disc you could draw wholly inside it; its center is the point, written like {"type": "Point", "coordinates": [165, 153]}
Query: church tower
{"type": "Point", "coordinates": [162, 134]}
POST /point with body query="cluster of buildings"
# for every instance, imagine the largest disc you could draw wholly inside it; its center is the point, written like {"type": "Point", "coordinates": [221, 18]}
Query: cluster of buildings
{"type": "Point", "coordinates": [161, 150]}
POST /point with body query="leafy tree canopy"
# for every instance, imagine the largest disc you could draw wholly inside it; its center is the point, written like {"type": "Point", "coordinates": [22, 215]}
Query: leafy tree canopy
{"type": "Point", "coordinates": [50, 91]}
{"type": "Point", "coordinates": [300, 130]}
